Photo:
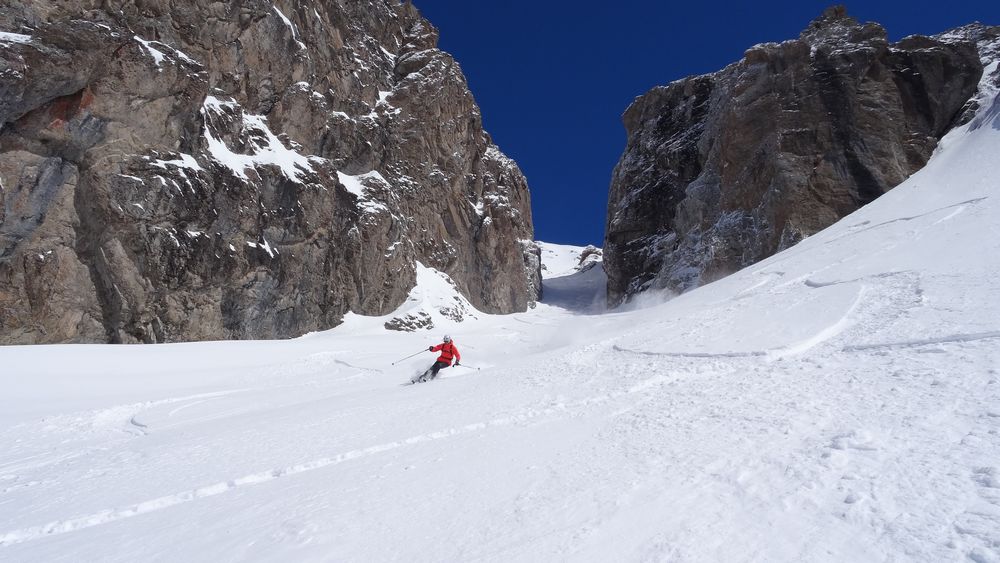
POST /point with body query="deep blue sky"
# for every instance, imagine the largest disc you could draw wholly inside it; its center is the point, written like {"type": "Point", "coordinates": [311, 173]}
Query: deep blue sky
{"type": "Point", "coordinates": [553, 77]}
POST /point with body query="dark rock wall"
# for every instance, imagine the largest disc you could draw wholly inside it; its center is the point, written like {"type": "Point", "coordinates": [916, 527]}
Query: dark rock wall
{"type": "Point", "coordinates": [241, 169]}
{"type": "Point", "coordinates": [723, 170]}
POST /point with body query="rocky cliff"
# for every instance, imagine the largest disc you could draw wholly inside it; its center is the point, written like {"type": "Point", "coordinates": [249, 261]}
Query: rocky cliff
{"type": "Point", "coordinates": [725, 169]}
{"type": "Point", "coordinates": [241, 169]}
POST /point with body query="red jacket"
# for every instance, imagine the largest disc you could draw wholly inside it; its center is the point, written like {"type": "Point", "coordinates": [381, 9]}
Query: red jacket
{"type": "Point", "coordinates": [448, 351]}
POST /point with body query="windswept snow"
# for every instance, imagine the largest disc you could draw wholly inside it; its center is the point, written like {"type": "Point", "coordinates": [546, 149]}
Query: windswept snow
{"type": "Point", "coordinates": [839, 401]}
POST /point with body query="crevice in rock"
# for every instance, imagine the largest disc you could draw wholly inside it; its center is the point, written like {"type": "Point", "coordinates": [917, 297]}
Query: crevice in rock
{"type": "Point", "coordinates": [89, 233]}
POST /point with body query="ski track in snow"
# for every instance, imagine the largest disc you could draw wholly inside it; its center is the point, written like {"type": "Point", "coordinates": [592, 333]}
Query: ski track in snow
{"type": "Point", "coordinates": [692, 354]}
{"type": "Point", "coordinates": [115, 514]}
{"type": "Point", "coordinates": [865, 226]}
{"type": "Point", "coordinates": [951, 338]}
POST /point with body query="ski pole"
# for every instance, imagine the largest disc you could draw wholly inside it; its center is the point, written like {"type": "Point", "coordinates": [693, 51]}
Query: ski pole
{"type": "Point", "coordinates": [408, 357]}
{"type": "Point", "coordinates": [465, 366]}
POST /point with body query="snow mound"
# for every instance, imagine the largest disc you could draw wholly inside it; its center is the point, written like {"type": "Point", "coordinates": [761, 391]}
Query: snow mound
{"type": "Point", "coordinates": [434, 303]}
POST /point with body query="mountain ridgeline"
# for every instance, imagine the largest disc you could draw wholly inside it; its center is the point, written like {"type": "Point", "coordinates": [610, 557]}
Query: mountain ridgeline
{"type": "Point", "coordinates": [255, 169]}
{"type": "Point", "coordinates": [725, 169]}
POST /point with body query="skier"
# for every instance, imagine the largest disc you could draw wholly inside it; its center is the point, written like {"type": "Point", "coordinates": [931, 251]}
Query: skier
{"type": "Point", "coordinates": [448, 351]}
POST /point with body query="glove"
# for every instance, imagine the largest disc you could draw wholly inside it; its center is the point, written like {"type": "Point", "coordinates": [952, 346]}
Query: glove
{"type": "Point", "coordinates": [430, 348]}
{"type": "Point", "coordinates": [456, 365]}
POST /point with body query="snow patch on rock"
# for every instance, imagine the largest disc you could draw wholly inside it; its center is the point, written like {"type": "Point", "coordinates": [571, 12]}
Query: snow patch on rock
{"type": "Point", "coordinates": [433, 303]}
{"type": "Point", "coordinates": [267, 148]}
{"type": "Point", "coordinates": [8, 37]}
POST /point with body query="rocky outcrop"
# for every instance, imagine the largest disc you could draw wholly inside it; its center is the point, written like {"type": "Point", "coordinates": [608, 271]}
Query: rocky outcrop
{"type": "Point", "coordinates": [209, 170]}
{"type": "Point", "coordinates": [725, 169]}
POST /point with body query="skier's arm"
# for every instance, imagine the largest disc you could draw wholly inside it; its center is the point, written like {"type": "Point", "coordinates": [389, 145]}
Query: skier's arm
{"type": "Point", "coordinates": [458, 357]}
{"type": "Point", "coordinates": [435, 348]}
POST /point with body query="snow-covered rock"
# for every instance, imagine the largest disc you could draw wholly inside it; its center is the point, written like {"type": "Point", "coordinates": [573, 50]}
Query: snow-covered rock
{"type": "Point", "coordinates": [434, 302]}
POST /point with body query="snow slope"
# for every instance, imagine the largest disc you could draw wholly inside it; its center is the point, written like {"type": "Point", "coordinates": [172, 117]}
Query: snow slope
{"type": "Point", "coordinates": [839, 401]}
{"type": "Point", "coordinates": [559, 260]}
{"type": "Point", "coordinates": [572, 285]}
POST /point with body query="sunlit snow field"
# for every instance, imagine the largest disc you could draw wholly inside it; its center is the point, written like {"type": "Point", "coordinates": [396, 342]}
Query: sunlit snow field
{"type": "Point", "coordinates": [837, 402]}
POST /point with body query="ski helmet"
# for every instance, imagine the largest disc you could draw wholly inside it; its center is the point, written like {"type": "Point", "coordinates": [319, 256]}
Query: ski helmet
{"type": "Point", "coordinates": [447, 338]}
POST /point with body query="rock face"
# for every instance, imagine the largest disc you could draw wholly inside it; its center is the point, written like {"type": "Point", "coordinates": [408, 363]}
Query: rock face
{"type": "Point", "coordinates": [211, 170]}
{"type": "Point", "coordinates": [725, 169]}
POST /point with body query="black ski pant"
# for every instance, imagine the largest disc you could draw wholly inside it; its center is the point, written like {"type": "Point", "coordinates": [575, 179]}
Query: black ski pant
{"type": "Point", "coordinates": [434, 369]}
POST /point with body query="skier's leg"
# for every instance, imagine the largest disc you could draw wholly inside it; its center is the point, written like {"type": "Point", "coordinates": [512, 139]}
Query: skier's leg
{"type": "Point", "coordinates": [436, 367]}
{"type": "Point", "coordinates": [424, 376]}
